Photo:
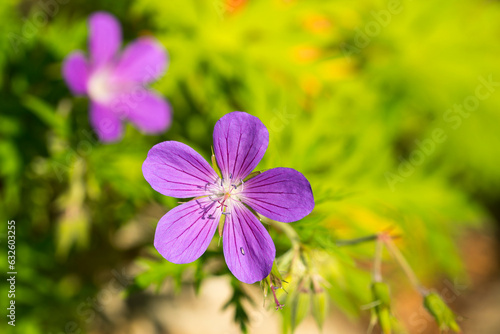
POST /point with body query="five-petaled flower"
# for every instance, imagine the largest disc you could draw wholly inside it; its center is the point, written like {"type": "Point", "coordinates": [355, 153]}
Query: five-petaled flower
{"type": "Point", "coordinates": [116, 82]}
{"type": "Point", "coordinates": [184, 233]}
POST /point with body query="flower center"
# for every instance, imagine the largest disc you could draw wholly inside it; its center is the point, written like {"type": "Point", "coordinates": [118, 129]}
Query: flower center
{"type": "Point", "coordinates": [99, 86]}
{"type": "Point", "coordinates": [224, 191]}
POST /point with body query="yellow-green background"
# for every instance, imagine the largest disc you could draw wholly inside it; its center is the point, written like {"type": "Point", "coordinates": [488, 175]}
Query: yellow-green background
{"type": "Point", "coordinates": [346, 118]}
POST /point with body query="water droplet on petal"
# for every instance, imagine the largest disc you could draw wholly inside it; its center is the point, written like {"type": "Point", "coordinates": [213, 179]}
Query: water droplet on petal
{"type": "Point", "coordinates": [242, 251]}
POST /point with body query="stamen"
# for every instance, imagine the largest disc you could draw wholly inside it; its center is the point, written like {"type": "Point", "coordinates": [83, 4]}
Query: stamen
{"type": "Point", "coordinates": [205, 209]}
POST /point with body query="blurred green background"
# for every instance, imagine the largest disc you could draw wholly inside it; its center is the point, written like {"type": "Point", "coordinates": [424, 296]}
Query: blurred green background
{"type": "Point", "coordinates": [362, 97]}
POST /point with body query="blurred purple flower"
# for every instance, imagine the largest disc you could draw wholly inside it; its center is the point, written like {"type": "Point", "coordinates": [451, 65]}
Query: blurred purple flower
{"type": "Point", "coordinates": [116, 81]}
{"type": "Point", "coordinates": [184, 233]}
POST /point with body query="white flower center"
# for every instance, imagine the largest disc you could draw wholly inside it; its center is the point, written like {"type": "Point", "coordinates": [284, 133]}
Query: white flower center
{"type": "Point", "coordinates": [224, 191]}
{"type": "Point", "coordinates": [99, 86]}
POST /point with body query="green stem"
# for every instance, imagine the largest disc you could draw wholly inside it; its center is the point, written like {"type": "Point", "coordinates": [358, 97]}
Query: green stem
{"type": "Point", "coordinates": [400, 259]}
{"type": "Point", "coordinates": [287, 229]}
{"type": "Point", "coordinates": [356, 241]}
{"type": "Point", "coordinates": [377, 262]}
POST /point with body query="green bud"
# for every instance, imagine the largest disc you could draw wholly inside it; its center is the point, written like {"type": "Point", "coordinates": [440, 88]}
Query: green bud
{"type": "Point", "coordinates": [381, 294]}
{"type": "Point", "coordinates": [441, 312]}
{"type": "Point", "coordinates": [382, 308]}
{"type": "Point", "coordinates": [384, 320]}
{"type": "Point", "coordinates": [273, 282]}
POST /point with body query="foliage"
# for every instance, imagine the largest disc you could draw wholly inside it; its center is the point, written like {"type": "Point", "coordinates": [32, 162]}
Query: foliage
{"type": "Point", "coordinates": [349, 117]}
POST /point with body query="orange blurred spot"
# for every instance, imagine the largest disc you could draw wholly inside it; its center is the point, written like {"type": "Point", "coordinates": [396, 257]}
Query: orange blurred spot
{"type": "Point", "coordinates": [310, 85]}
{"type": "Point", "coordinates": [232, 6]}
{"type": "Point", "coordinates": [305, 54]}
{"type": "Point", "coordinates": [317, 24]}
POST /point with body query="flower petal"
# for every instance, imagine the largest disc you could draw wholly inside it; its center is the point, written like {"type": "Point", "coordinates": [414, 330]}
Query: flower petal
{"type": "Point", "coordinates": [185, 232]}
{"type": "Point", "coordinates": [105, 37]}
{"type": "Point", "coordinates": [248, 248]}
{"type": "Point", "coordinates": [105, 122]}
{"type": "Point", "coordinates": [240, 141]}
{"type": "Point", "coordinates": [175, 169]}
{"type": "Point", "coordinates": [281, 194]}
{"type": "Point", "coordinates": [143, 61]}
{"type": "Point", "coordinates": [76, 72]}
{"type": "Point", "coordinates": [148, 111]}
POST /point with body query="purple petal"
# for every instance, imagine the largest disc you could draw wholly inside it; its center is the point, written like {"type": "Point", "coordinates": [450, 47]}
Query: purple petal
{"type": "Point", "coordinates": [105, 37]}
{"type": "Point", "coordinates": [248, 248]}
{"type": "Point", "coordinates": [76, 72]}
{"type": "Point", "coordinates": [240, 141]}
{"type": "Point", "coordinates": [143, 61]}
{"type": "Point", "coordinates": [185, 232]}
{"type": "Point", "coordinates": [175, 169]}
{"type": "Point", "coordinates": [148, 111]}
{"type": "Point", "coordinates": [281, 194]}
{"type": "Point", "coordinates": [105, 122]}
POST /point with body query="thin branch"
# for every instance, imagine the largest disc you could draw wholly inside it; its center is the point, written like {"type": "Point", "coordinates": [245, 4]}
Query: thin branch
{"type": "Point", "coordinates": [356, 241]}
{"type": "Point", "coordinates": [377, 262]}
{"type": "Point", "coordinates": [400, 259]}
{"type": "Point", "coordinates": [287, 229]}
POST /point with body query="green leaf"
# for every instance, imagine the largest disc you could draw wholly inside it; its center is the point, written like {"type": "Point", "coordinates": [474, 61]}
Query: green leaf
{"type": "Point", "coordinates": [46, 113]}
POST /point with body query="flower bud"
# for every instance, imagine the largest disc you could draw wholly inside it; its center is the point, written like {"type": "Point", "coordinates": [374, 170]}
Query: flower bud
{"type": "Point", "coordinates": [273, 282]}
{"type": "Point", "coordinates": [381, 294]}
{"type": "Point", "coordinates": [441, 312]}
{"type": "Point", "coordinates": [382, 308]}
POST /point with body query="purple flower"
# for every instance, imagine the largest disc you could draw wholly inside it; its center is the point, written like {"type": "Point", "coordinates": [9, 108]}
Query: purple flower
{"type": "Point", "coordinates": [116, 82]}
{"type": "Point", "coordinates": [184, 233]}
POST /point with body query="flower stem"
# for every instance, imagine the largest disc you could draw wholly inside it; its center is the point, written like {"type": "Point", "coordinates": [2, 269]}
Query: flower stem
{"type": "Point", "coordinates": [279, 306]}
{"type": "Point", "coordinates": [356, 241]}
{"type": "Point", "coordinates": [400, 259]}
{"type": "Point", "coordinates": [287, 229]}
{"type": "Point", "coordinates": [377, 262]}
